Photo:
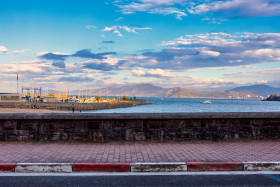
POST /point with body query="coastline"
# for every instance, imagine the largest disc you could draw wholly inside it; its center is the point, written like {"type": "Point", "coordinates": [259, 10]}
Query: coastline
{"type": "Point", "coordinates": [29, 110]}
{"type": "Point", "coordinates": [38, 107]}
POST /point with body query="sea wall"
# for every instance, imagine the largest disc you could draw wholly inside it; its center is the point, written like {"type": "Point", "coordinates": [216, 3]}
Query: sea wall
{"type": "Point", "coordinates": [69, 106]}
{"type": "Point", "coordinates": [139, 127]}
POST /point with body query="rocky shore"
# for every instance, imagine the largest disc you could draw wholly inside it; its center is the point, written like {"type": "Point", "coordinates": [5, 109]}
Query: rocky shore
{"type": "Point", "coordinates": [273, 97]}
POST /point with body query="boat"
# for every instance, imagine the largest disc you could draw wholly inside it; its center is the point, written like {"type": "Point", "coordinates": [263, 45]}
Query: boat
{"type": "Point", "coordinates": [161, 99]}
{"type": "Point", "coordinates": [206, 102]}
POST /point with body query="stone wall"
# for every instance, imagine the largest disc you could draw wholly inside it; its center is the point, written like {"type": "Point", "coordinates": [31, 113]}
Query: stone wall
{"type": "Point", "coordinates": [139, 127]}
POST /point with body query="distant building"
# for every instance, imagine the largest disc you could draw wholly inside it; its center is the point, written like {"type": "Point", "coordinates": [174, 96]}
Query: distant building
{"type": "Point", "coordinates": [49, 99]}
{"type": "Point", "coordinates": [6, 97]}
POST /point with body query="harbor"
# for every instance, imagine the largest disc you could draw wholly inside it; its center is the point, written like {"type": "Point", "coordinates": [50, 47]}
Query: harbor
{"type": "Point", "coordinates": [32, 98]}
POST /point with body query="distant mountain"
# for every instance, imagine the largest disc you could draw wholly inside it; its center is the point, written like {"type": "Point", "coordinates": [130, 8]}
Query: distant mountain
{"type": "Point", "coordinates": [140, 90]}
{"type": "Point", "coordinates": [149, 90]}
{"type": "Point", "coordinates": [258, 89]}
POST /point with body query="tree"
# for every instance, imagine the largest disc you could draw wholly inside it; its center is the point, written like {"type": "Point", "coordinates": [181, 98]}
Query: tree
{"type": "Point", "coordinates": [124, 97]}
{"type": "Point", "coordinates": [98, 99]}
{"type": "Point", "coordinates": [116, 98]}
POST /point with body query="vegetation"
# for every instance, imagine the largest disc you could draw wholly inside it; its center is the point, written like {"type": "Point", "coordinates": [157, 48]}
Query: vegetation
{"type": "Point", "coordinates": [124, 97]}
{"type": "Point", "coordinates": [98, 99]}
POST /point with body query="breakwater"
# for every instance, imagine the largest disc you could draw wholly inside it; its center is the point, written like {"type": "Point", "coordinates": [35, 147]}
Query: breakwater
{"type": "Point", "coordinates": [77, 106]}
{"type": "Point", "coordinates": [139, 127]}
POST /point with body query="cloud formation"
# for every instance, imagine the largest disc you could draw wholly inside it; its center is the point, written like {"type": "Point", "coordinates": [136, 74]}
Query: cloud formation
{"type": "Point", "coordinates": [165, 7]}
{"type": "Point", "coordinates": [225, 8]}
{"type": "Point", "coordinates": [84, 53]}
{"type": "Point", "coordinates": [108, 42]}
{"type": "Point", "coordinates": [117, 29]}
{"type": "Point", "coordinates": [75, 79]}
{"type": "Point", "coordinates": [91, 27]}
{"type": "Point", "coordinates": [103, 64]}
{"type": "Point", "coordinates": [152, 73]}
{"type": "Point", "coordinates": [239, 8]}
{"type": "Point", "coordinates": [54, 56]}
{"type": "Point", "coordinates": [21, 51]}
{"type": "Point", "coordinates": [3, 49]}
{"type": "Point", "coordinates": [25, 67]}
{"type": "Point", "coordinates": [214, 50]}
{"type": "Point", "coordinates": [59, 64]}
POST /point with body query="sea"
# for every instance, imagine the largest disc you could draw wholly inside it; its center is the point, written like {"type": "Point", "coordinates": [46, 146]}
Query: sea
{"type": "Point", "coordinates": [190, 105]}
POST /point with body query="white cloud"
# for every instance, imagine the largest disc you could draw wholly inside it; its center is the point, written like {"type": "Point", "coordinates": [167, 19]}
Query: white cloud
{"type": "Point", "coordinates": [160, 72]}
{"type": "Point", "coordinates": [3, 49]}
{"type": "Point", "coordinates": [91, 27]}
{"type": "Point", "coordinates": [210, 53]}
{"type": "Point", "coordinates": [217, 8]}
{"type": "Point", "coordinates": [152, 73]}
{"type": "Point", "coordinates": [23, 68]}
{"type": "Point", "coordinates": [239, 8]}
{"type": "Point", "coordinates": [116, 29]}
{"type": "Point", "coordinates": [213, 50]}
{"type": "Point", "coordinates": [56, 53]}
{"type": "Point", "coordinates": [21, 51]}
{"type": "Point", "coordinates": [165, 7]}
{"type": "Point", "coordinates": [271, 54]}
{"type": "Point", "coordinates": [167, 11]}
{"type": "Point", "coordinates": [138, 72]}
{"type": "Point", "coordinates": [29, 62]}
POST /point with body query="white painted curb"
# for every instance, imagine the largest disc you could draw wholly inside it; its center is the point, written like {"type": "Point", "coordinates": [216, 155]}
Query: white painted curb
{"type": "Point", "coordinates": [159, 167]}
{"type": "Point", "coordinates": [43, 168]}
{"type": "Point", "coordinates": [261, 166]}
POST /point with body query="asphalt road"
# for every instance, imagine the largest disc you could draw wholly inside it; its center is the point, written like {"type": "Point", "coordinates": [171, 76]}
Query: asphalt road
{"type": "Point", "coordinates": [149, 179]}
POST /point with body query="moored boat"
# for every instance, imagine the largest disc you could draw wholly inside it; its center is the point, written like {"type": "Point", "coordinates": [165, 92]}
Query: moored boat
{"type": "Point", "coordinates": [206, 102]}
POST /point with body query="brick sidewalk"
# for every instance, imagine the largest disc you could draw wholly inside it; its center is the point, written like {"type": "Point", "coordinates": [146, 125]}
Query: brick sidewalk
{"type": "Point", "coordinates": [139, 152]}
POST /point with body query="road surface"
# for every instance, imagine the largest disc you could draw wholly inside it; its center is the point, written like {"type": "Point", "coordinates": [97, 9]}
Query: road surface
{"type": "Point", "coordinates": [143, 179]}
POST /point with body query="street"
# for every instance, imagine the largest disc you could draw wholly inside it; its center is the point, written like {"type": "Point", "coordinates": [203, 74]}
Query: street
{"type": "Point", "coordinates": [142, 179]}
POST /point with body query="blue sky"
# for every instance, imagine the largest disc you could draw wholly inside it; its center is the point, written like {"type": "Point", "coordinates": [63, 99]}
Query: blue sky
{"type": "Point", "coordinates": [202, 45]}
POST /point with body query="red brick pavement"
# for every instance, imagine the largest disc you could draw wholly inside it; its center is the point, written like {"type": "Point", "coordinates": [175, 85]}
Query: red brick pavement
{"type": "Point", "coordinates": [139, 152]}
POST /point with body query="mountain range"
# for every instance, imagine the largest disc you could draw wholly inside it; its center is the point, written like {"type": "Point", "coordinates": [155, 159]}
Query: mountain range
{"type": "Point", "coordinates": [149, 90]}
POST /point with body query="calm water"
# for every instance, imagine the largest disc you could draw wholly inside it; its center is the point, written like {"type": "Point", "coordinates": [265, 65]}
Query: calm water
{"type": "Point", "coordinates": [176, 105]}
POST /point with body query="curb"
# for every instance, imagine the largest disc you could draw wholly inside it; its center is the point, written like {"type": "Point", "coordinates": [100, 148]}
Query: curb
{"type": "Point", "coordinates": [215, 166]}
{"type": "Point", "coordinates": [138, 167]}
{"type": "Point", "coordinates": [159, 167]}
{"type": "Point", "coordinates": [262, 166]}
{"type": "Point", "coordinates": [7, 167]}
{"type": "Point", "coordinates": [101, 167]}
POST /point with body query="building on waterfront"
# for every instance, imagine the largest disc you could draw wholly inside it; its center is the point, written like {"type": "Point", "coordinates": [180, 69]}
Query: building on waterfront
{"type": "Point", "coordinates": [47, 99]}
{"type": "Point", "coordinates": [5, 97]}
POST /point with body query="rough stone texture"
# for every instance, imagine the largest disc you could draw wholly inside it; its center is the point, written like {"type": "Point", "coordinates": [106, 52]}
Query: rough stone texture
{"type": "Point", "coordinates": [159, 167]}
{"type": "Point", "coordinates": [43, 168]}
{"type": "Point", "coordinates": [262, 166]}
{"type": "Point", "coordinates": [139, 127]}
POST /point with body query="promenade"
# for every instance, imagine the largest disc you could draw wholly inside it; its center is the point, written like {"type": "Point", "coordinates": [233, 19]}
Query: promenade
{"type": "Point", "coordinates": [249, 151]}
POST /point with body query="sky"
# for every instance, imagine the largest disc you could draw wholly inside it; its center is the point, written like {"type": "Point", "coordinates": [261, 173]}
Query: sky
{"type": "Point", "coordinates": [87, 44]}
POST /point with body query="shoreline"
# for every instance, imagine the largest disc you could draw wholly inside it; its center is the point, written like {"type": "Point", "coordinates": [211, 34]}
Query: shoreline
{"type": "Point", "coordinates": [38, 107]}
{"type": "Point", "coordinates": [29, 110]}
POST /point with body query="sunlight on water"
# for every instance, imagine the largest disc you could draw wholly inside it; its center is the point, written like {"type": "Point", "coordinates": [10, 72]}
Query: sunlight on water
{"type": "Point", "coordinates": [176, 105]}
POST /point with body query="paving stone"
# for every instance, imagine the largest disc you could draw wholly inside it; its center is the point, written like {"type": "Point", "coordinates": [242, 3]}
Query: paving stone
{"type": "Point", "coordinates": [251, 151]}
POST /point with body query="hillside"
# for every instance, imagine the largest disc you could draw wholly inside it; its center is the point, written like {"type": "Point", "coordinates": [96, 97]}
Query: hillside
{"type": "Point", "coordinates": [258, 89]}
{"type": "Point", "coordinates": [149, 90]}
{"type": "Point", "coordinates": [139, 90]}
